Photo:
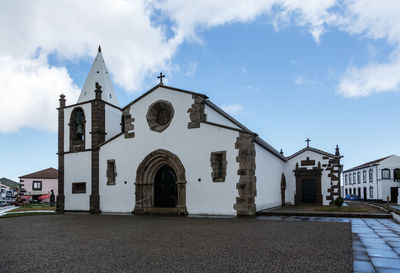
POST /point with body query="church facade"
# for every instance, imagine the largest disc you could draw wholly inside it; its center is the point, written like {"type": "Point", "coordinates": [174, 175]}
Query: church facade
{"type": "Point", "coordinates": [173, 151]}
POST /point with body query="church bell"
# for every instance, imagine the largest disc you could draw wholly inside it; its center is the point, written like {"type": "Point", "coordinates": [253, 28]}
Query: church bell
{"type": "Point", "coordinates": [79, 129]}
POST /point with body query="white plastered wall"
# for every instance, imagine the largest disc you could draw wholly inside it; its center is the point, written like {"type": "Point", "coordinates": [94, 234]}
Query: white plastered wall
{"type": "Point", "coordinates": [269, 170]}
{"type": "Point", "coordinates": [215, 117]}
{"type": "Point", "coordinates": [88, 126]}
{"type": "Point", "coordinates": [192, 146]}
{"type": "Point", "coordinates": [77, 168]}
{"type": "Point", "coordinates": [291, 178]}
{"type": "Point", "coordinates": [113, 121]}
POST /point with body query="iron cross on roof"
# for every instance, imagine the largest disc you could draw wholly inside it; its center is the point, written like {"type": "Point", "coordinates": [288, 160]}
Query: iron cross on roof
{"type": "Point", "coordinates": [160, 77]}
{"type": "Point", "coordinates": [308, 142]}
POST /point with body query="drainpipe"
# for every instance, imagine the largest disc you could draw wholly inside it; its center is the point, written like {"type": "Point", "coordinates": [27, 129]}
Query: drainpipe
{"type": "Point", "coordinates": [377, 187]}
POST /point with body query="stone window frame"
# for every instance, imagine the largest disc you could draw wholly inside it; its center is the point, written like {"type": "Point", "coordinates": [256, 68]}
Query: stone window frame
{"type": "Point", "coordinates": [76, 189]}
{"type": "Point", "coordinates": [358, 177]}
{"type": "Point", "coordinates": [371, 192]}
{"type": "Point", "coordinates": [37, 188]}
{"type": "Point", "coordinates": [350, 179]}
{"type": "Point", "coordinates": [365, 176]}
{"type": "Point", "coordinates": [152, 112]}
{"type": "Point", "coordinates": [354, 179]}
{"type": "Point", "coordinates": [111, 172]}
{"type": "Point", "coordinates": [371, 175]}
{"type": "Point", "coordinates": [345, 179]}
{"type": "Point", "coordinates": [387, 171]}
{"type": "Point", "coordinates": [218, 166]}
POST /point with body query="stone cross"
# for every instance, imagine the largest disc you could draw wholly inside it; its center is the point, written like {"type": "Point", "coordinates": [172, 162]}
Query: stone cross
{"type": "Point", "coordinates": [308, 142]}
{"type": "Point", "coordinates": [160, 77]}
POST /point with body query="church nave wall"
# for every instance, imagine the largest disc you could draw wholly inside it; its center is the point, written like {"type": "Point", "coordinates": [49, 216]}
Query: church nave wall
{"type": "Point", "coordinates": [269, 170]}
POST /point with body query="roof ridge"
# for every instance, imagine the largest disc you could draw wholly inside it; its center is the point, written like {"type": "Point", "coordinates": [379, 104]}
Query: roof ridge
{"type": "Point", "coordinates": [368, 163]}
{"type": "Point", "coordinates": [311, 149]}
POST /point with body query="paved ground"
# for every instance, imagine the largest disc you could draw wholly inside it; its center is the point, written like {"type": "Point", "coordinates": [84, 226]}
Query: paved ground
{"type": "Point", "coordinates": [90, 243]}
{"type": "Point", "coordinates": [376, 242]}
{"type": "Point", "coordinates": [376, 245]}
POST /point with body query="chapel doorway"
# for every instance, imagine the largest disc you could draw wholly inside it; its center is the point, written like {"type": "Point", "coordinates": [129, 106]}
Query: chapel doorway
{"type": "Point", "coordinates": [365, 193]}
{"type": "Point", "coordinates": [308, 191]}
{"type": "Point", "coordinates": [308, 186]}
{"type": "Point", "coordinates": [393, 194]}
{"type": "Point", "coordinates": [165, 190]}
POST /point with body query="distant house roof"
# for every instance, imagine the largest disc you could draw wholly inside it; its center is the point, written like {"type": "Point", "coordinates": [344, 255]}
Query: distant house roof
{"type": "Point", "coordinates": [313, 150]}
{"type": "Point", "coordinates": [49, 173]}
{"type": "Point", "coordinates": [368, 164]}
{"type": "Point", "coordinates": [9, 183]}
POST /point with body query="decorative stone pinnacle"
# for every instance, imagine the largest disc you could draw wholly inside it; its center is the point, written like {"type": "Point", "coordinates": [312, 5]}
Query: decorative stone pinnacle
{"type": "Point", "coordinates": [337, 152]}
{"type": "Point", "coordinates": [99, 49]}
{"type": "Point", "coordinates": [62, 100]}
{"type": "Point", "coordinates": [98, 91]}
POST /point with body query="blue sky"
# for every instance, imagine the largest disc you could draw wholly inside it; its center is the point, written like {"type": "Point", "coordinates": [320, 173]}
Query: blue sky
{"type": "Point", "coordinates": [284, 80]}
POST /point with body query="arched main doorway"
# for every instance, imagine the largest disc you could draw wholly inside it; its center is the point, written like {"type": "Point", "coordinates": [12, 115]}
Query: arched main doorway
{"type": "Point", "coordinates": [160, 185]}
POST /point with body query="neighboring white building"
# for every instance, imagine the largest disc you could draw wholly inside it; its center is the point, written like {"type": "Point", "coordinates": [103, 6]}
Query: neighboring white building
{"type": "Point", "coordinates": [174, 151]}
{"type": "Point", "coordinates": [375, 180]}
{"type": "Point", "coordinates": [8, 189]}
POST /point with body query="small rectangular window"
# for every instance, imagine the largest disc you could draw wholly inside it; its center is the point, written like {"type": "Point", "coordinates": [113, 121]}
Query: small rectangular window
{"type": "Point", "coordinates": [370, 175]}
{"type": "Point", "coordinates": [111, 172]}
{"type": "Point", "coordinates": [79, 187]}
{"type": "Point", "coordinates": [218, 166]}
{"type": "Point", "coordinates": [37, 185]}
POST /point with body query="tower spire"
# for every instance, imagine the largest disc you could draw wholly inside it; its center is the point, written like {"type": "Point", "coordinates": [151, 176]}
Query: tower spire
{"type": "Point", "coordinates": [98, 73]}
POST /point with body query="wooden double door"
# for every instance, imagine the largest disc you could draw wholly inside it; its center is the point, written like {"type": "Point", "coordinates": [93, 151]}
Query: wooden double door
{"type": "Point", "coordinates": [165, 188]}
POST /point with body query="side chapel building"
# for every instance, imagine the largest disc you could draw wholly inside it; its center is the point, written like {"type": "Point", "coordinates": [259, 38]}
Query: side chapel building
{"type": "Point", "coordinates": [173, 151]}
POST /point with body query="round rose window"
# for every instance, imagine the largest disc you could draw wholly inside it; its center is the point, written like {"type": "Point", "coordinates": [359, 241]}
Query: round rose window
{"type": "Point", "coordinates": [160, 115]}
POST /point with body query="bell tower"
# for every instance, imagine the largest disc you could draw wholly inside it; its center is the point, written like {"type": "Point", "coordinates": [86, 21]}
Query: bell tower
{"type": "Point", "coordinates": [83, 127]}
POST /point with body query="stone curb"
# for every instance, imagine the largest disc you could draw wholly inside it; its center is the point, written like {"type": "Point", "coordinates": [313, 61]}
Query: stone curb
{"type": "Point", "coordinates": [317, 214]}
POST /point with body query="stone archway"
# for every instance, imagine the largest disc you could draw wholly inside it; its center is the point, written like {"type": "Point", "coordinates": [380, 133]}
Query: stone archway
{"type": "Point", "coordinates": [144, 185]}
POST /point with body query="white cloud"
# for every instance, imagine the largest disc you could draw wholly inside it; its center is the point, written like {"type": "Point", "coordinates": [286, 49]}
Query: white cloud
{"type": "Point", "coordinates": [232, 109]}
{"type": "Point", "coordinates": [302, 80]}
{"type": "Point", "coordinates": [373, 78]}
{"type": "Point", "coordinates": [30, 93]}
{"type": "Point", "coordinates": [377, 19]}
{"type": "Point", "coordinates": [191, 69]}
{"type": "Point", "coordinates": [135, 45]}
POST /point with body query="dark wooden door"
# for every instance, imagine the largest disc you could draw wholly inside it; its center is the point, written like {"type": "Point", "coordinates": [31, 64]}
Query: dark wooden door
{"type": "Point", "coordinates": [308, 191]}
{"type": "Point", "coordinates": [393, 194]}
{"type": "Point", "coordinates": [165, 190]}
{"type": "Point", "coordinates": [365, 193]}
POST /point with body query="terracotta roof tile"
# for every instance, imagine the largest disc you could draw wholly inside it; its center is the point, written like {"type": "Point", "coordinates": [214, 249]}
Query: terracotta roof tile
{"type": "Point", "coordinates": [49, 173]}
{"type": "Point", "coordinates": [367, 164]}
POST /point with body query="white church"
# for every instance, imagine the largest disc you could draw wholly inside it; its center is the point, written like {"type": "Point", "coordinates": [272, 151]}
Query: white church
{"type": "Point", "coordinates": [172, 151]}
